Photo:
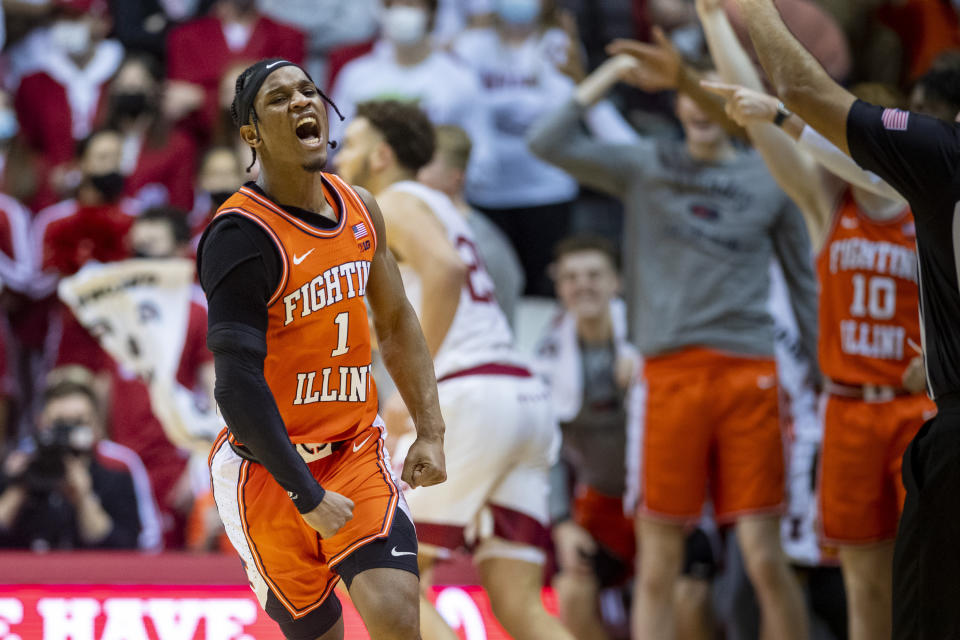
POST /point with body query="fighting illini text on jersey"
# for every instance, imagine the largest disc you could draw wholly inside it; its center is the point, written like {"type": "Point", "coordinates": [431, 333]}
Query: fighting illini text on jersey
{"type": "Point", "coordinates": [318, 362]}
{"type": "Point", "coordinates": [868, 297]}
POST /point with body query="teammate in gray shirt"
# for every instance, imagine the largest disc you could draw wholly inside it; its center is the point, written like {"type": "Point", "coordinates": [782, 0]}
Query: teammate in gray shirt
{"type": "Point", "coordinates": [704, 222]}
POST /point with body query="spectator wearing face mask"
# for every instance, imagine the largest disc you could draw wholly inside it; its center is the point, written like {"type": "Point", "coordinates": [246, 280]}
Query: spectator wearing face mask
{"type": "Point", "coordinates": [67, 487]}
{"type": "Point", "coordinates": [406, 65]}
{"type": "Point", "coordinates": [157, 160]}
{"type": "Point", "coordinates": [58, 100]}
{"type": "Point", "coordinates": [518, 61]}
{"type": "Point", "coordinates": [90, 226]}
{"type": "Point", "coordinates": [329, 24]}
{"type": "Point", "coordinates": [200, 51]}
{"type": "Point", "coordinates": [221, 174]}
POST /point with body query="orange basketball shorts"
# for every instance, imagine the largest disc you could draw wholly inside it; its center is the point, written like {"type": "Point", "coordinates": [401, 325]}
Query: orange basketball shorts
{"type": "Point", "coordinates": [710, 421]}
{"type": "Point", "coordinates": [280, 552]}
{"type": "Point", "coordinates": [603, 518]}
{"type": "Point", "coordinates": [861, 491]}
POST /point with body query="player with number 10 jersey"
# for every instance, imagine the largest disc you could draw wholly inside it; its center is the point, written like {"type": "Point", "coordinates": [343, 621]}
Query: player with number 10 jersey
{"type": "Point", "coordinates": [869, 333]}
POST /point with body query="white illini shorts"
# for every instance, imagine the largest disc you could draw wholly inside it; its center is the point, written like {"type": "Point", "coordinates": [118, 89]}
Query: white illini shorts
{"type": "Point", "coordinates": [500, 443]}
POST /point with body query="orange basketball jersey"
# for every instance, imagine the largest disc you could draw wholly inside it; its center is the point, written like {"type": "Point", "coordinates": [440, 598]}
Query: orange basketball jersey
{"type": "Point", "coordinates": [868, 297]}
{"type": "Point", "coordinates": [318, 362]}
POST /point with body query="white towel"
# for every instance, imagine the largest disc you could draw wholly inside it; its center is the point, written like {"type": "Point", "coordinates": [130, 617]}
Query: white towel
{"type": "Point", "coordinates": [558, 358]}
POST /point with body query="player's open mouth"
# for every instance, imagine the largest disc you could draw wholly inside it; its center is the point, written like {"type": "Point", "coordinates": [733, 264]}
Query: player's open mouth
{"type": "Point", "coordinates": [308, 130]}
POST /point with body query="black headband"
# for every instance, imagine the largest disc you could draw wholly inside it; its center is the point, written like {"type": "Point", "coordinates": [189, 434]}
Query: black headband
{"type": "Point", "coordinates": [250, 81]}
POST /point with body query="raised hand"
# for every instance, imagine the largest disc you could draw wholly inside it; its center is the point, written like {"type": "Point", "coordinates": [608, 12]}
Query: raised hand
{"type": "Point", "coordinates": [660, 64]}
{"type": "Point", "coordinates": [744, 106]}
{"type": "Point", "coordinates": [330, 515]}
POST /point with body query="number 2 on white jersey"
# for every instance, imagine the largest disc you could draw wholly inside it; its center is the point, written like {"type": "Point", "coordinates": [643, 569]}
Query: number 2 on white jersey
{"type": "Point", "coordinates": [343, 327]}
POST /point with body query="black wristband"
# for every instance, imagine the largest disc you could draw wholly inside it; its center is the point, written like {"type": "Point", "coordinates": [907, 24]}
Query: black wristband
{"type": "Point", "coordinates": [782, 114]}
{"type": "Point", "coordinates": [307, 503]}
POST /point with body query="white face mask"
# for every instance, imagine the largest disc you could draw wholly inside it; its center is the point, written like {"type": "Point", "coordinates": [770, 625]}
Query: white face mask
{"type": "Point", "coordinates": [519, 12]}
{"type": "Point", "coordinates": [8, 124]}
{"type": "Point", "coordinates": [404, 25]}
{"type": "Point", "coordinates": [72, 36]}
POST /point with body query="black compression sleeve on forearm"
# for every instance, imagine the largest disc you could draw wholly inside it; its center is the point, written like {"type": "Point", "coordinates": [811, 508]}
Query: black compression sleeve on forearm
{"type": "Point", "coordinates": [249, 408]}
{"type": "Point", "coordinates": [239, 270]}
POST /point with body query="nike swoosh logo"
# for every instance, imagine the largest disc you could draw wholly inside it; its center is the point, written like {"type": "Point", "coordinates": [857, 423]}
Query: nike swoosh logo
{"type": "Point", "coordinates": [273, 64]}
{"type": "Point", "coordinates": [298, 259]}
{"type": "Point", "coordinates": [397, 554]}
{"type": "Point", "coordinates": [357, 447]}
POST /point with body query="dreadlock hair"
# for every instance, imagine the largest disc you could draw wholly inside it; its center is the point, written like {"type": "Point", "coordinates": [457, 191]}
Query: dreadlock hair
{"type": "Point", "coordinates": [242, 110]}
{"type": "Point", "coordinates": [235, 112]}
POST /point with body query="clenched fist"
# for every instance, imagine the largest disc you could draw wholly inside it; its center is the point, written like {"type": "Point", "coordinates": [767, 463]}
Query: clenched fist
{"type": "Point", "coordinates": [424, 464]}
{"type": "Point", "coordinates": [330, 515]}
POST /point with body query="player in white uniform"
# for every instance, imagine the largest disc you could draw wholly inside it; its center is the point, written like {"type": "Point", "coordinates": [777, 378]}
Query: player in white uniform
{"type": "Point", "coordinates": [501, 434]}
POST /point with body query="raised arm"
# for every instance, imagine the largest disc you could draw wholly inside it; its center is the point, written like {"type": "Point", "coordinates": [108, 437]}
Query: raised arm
{"type": "Point", "coordinates": [842, 165]}
{"type": "Point", "coordinates": [661, 68]}
{"type": "Point", "coordinates": [406, 357]}
{"type": "Point", "coordinates": [796, 173]}
{"type": "Point", "coordinates": [421, 242]}
{"type": "Point", "coordinates": [558, 137]}
{"type": "Point", "coordinates": [747, 105]}
{"type": "Point", "coordinates": [796, 75]}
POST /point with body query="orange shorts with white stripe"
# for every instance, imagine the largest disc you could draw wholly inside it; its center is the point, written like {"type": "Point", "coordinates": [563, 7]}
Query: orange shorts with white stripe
{"type": "Point", "coordinates": [861, 489]}
{"type": "Point", "coordinates": [711, 424]}
{"type": "Point", "coordinates": [280, 552]}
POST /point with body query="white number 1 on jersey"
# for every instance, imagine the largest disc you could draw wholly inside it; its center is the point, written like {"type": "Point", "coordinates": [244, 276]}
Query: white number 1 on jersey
{"type": "Point", "coordinates": [343, 326]}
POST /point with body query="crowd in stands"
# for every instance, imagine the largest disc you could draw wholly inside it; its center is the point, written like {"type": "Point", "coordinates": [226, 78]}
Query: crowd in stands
{"type": "Point", "coordinates": [116, 142]}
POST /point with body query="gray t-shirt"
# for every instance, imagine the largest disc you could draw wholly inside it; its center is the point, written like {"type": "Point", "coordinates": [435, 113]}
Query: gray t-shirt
{"type": "Point", "coordinates": [700, 238]}
{"type": "Point", "coordinates": [595, 439]}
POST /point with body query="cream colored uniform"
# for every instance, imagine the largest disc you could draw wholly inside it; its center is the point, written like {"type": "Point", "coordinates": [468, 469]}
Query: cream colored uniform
{"type": "Point", "coordinates": [501, 435]}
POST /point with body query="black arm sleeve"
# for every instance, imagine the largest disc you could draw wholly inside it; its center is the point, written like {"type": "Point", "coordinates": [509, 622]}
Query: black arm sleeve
{"type": "Point", "coordinates": [916, 154]}
{"type": "Point", "coordinates": [239, 273]}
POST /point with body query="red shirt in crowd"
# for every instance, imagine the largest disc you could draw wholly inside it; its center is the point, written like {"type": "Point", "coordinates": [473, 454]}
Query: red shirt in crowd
{"type": "Point", "coordinates": [172, 164]}
{"type": "Point", "coordinates": [68, 235]}
{"type": "Point", "coordinates": [60, 103]}
{"type": "Point", "coordinates": [926, 28]}
{"type": "Point", "coordinates": [197, 52]}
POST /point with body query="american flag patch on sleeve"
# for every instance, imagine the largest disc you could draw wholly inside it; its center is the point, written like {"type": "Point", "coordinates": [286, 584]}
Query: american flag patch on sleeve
{"type": "Point", "coordinates": [895, 119]}
{"type": "Point", "coordinates": [359, 230]}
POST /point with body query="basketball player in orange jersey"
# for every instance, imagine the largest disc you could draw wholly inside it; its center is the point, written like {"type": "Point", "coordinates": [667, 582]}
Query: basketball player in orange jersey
{"type": "Point", "coordinates": [300, 476]}
{"type": "Point", "coordinates": [867, 268]}
{"type": "Point", "coordinates": [504, 435]}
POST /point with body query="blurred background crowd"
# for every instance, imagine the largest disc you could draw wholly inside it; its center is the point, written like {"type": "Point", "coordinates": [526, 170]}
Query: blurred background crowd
{"type": "Point", "coordinates": [116, 142]}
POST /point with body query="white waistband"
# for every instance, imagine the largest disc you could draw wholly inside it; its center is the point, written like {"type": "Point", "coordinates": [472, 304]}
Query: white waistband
{"type": "Point", "coordinates": [313, 451]}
